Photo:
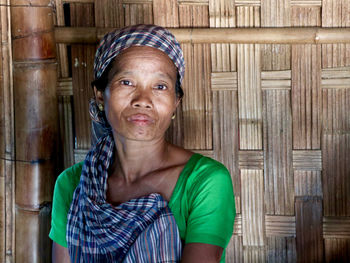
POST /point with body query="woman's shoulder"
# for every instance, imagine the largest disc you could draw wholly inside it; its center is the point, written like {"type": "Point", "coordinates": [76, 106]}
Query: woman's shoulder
{"type": "Point", "coordinates": [205, 167]}
{"type": "Point", "coordinates": [202, 172]}
{"type": "Point", "coordinates": [70, 177]}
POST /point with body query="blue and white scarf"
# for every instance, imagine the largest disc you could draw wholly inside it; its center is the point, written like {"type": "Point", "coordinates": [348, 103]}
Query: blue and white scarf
{"type": "Point", "coordinates": [140, 230]}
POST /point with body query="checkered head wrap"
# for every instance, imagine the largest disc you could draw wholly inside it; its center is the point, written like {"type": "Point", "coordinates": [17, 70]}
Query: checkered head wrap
{"type": "Point", "coordinates": [139, 35]}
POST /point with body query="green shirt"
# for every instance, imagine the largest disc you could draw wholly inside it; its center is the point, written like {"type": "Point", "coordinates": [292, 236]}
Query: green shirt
{"type": "Point", "coordinates": [202, 202]}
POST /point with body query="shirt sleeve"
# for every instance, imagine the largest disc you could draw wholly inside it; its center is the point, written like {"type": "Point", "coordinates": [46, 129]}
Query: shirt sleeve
{"type": "Point", "coordinates": [212, 207]}
{"type": "Point", "coordinates": [65, 185]}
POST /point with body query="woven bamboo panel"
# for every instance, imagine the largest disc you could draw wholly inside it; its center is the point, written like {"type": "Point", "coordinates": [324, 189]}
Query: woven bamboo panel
{"type": "Point", "coordinates": [254, 254]}
{"type": "Point", "coordinates": [277, 115]}
{"type": "Point", "coordinates": [170, 8]}
{"type": "Point", "coordinates": [252, 208]}
{"type": "Point", "coordinates": [281, 249]}
{"type": "Point", "coordinates": [175, 133]}
{"type": "Point", "coordinates": [275, 13]}
{"type": "Point", "coordinates": [308, 183]}
{"type": "Point", "coordinates": [335, 13]}
{"type": "Point", "coordinates": [109, 13]}
{"type": "Point", "coordinates": [193, 15]}
{"type": "Point", "coordinates": [222, 14]}
{"type": "Point", "coordinates": [249, 92]}
{"type": "Point", "coordinates": [250, 97]}
{"type": "Point", "coordinates": [279, 185]}
{"type": "Point", "coordinates": [308, 213]}
{"type": "Point", "coordinates": [336, 181]}
{"type": "Point", "coordinates": [62, 55]}
{"type": "Point", "coordinates": [65, 98]}
{"type": "Point", "coordinates": [65, 93]}
{"type": "Point", "coordinates": [138, 13]}
{"type": "Point", "coordinates": [306, 96]}
{"type": "Point", "coordinates": [277, 79]}
{"type": "Point", "coordinates": [302, 16]}
{"type": "Point", "coordinates": [336, 227]}
{"type": "Point", "coordinates": [82, 56]}
{"type": "Point", "coordinates": [280, 226]}
{"type": "Point", "coordinates": [82, 64]}
{"type": "Point", "coordinates": [306, 92]}
{"type": "Point", "coordinates": [66, 129]}
{"type": "Point", "coordinates": [224, 81]}
{"type": "Point", "coordinates": [238, 225]}
{"type": "Point", "coordinates": [197, 103]}
{"type": "Point", "coordinates": [335, 151]}
{"type": "Point", "coordinates": [336, 78]}
{"type": "Point", "coordinates": [234, 251]}
{"type": "Point", "coordinates": [251, 160]}
{"type": "Point", "coordinates": [226, 141]}
{"type": "Point", "coordinates": [337, 250]}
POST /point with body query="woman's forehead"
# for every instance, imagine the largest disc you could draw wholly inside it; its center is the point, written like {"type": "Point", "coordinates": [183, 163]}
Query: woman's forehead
{"type": "Point", "coordinates": [135, 55]}
{"type": "Point", "coordinates": [144, 52]}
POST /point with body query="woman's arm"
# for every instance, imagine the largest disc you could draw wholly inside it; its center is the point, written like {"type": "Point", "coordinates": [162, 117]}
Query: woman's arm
{"type": "Point", "coordinates": [59, 254]}
{"type": "Point", "coordinates": [200, 252]}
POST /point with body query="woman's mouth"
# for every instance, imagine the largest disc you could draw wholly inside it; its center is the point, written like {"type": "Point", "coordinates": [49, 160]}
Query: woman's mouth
{"type": "Point", "coordinates": [140, 119]}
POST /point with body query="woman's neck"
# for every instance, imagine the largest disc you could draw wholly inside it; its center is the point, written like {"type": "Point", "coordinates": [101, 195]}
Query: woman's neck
{"type": "Point", "coordinates": [134, 159]}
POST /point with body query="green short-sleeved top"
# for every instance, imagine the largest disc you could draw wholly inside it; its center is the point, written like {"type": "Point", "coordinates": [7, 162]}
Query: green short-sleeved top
{"type": "Point", "coordinates": [202, 202]}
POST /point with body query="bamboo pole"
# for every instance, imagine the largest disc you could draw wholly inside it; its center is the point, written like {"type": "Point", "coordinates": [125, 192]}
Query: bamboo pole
{"type": "Point", "coordinates": [7, 147]}
{"type": "Point", "coordinates": [307, 35]}
{"type": "Point", "coordinates": [35, 103]}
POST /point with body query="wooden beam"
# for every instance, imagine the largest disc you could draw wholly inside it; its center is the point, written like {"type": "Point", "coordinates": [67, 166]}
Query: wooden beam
{"type": "Point", "coordinates": [305, 35]}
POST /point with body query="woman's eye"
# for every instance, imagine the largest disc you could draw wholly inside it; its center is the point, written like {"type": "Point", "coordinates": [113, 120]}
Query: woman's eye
{"type": "Point", "coordinates": [161, 87]}
{"type": "Point", "coordinates": [126, 82]}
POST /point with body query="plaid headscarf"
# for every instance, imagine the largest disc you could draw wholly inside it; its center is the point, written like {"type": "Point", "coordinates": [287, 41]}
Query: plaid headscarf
{"type": "Point", "coordinates": [99, 124]}
{"type": "Point", "coordinates": [154, 36]}
{"type": "Point", "coordinates": [139, 230]}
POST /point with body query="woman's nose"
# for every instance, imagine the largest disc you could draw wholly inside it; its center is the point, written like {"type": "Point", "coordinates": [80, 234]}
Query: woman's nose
{"type": "Point", "coordinates": [142, 99]}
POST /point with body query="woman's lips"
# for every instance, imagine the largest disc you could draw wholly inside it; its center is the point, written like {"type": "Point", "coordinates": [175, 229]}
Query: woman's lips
{"type": "Point", "coordinates": [140, 119]}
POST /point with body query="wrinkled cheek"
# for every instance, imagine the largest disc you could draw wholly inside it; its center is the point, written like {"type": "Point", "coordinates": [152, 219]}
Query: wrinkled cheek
{"type": "Point", "coordinates": [166, 125]}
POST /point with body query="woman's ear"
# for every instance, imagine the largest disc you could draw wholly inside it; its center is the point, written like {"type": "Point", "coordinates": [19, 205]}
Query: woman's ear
{"type": "Point", "coordinates": [98, 96]}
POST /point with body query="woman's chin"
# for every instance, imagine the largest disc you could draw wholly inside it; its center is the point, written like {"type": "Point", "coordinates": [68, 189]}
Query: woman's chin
{"type": "Point", "coordinates": [142, 135]}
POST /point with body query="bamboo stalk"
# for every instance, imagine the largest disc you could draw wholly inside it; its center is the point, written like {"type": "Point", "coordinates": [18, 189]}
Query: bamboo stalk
{"type": "Point", "coordinates": [307, 35]}
{"type": "Point", "coordinates": [35, 104]}
{"type": "Point", "coordinates": [7, 147]}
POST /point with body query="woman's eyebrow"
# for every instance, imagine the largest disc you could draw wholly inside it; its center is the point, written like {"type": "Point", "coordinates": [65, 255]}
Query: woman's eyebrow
{"type": "Point", "coordinates": [129, 73]}
{"type": "Point", "coordinates": [121, 72]}
{"type": "Point", "coordinates": [164, 75]}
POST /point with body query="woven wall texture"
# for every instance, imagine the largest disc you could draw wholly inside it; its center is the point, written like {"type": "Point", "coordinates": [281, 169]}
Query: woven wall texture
{"type": "Point", "coordinates": [277, 115]}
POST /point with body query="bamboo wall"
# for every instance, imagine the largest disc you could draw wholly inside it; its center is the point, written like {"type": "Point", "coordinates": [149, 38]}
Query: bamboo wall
{"type": "Point", "coordinates": [275, 114]}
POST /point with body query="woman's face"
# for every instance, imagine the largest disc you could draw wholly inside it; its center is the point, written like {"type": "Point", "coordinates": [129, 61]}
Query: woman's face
{"type": "Point", "coordinates": [140, 99]}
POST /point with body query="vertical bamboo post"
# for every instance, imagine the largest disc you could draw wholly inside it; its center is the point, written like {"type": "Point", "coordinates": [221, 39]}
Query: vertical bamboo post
{"type": "Point", "coordinates": [35, 103]}
{"type": "Point", "coordinates": [7, 148]}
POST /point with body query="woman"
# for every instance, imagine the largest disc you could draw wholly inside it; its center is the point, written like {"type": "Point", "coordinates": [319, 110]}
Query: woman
{"type": "Point", "coordinates": [138, 75]}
